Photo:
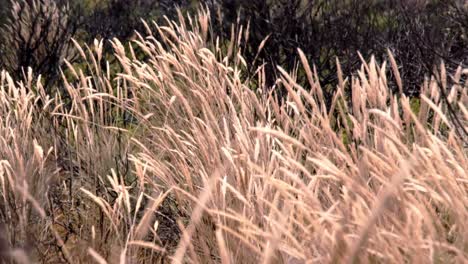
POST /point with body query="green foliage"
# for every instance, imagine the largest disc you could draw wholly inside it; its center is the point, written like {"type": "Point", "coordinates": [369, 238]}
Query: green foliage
{"type": "Point", "coordinates": [415, 104]}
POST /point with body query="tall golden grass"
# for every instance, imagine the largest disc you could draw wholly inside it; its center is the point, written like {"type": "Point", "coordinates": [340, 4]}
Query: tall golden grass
{"type": "Point", "coordinates": [178, 157]}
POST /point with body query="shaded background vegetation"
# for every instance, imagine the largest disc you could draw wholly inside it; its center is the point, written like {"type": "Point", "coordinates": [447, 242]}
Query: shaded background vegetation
{"type": "Point", "coordinates": [420, 33]}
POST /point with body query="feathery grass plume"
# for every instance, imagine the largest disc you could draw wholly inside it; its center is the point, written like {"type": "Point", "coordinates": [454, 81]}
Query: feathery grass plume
{"type": "Point", "coordinates": [174, 156]}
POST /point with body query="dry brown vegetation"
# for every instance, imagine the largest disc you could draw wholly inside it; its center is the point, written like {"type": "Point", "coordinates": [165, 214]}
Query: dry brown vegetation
{"type": "Point", "coordinates": [177, 157]}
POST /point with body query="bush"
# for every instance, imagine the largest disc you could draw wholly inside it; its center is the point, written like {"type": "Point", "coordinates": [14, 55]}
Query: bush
{"type": "Point", "coordinates": [120, 18]}
{"type": "Point", "coordinates": [37, 34]}
{"type": "Point", "coordinates": [419, 33]}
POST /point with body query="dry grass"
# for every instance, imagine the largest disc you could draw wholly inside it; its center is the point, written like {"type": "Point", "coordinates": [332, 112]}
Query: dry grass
{"type": "Point", "coordinates": [175, 157]}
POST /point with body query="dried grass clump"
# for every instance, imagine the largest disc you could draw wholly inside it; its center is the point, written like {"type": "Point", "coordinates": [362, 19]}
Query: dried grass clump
{"type": "Point", "coordinates": [177, 157]}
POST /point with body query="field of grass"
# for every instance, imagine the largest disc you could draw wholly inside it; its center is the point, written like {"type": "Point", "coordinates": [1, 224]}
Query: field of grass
{"type": "Point", "coordinates": [176, 157]}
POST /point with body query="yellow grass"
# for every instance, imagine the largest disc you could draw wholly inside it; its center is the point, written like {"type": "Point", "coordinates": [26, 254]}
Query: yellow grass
{"type": "Point", "coordinates": [177, 157]}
